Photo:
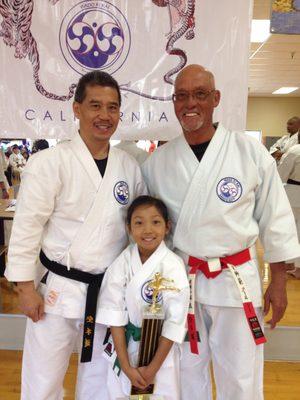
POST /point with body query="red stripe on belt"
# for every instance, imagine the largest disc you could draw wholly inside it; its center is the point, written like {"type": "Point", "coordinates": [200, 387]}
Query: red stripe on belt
{"type": "Point", "coordinates": [200, 265]}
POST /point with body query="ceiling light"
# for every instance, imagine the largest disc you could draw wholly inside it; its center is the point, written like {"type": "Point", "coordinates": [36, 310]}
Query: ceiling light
{"type": "Point", "coordinates": [285, 90]}
{"type": "Point", "coordinates": [260, 30]}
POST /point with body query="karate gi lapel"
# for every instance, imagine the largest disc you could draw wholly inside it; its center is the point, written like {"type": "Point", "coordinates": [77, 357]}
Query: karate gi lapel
{"type": "Point", "coordinates": [102, 204]}
{"type": "Point", "coordinates": [202, 182]}
{"type": "Point", "coordinates": [142, 273]}
{"type": "Point", "coordinates": [84, 156]}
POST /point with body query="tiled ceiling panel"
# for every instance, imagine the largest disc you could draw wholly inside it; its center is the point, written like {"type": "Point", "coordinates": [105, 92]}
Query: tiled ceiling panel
{"type": "Point", "coordinates": [275, 63]}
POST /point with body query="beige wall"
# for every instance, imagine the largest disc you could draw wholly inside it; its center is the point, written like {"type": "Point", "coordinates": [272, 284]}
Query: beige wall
{"type": "Point", "coordinates": [270, 114]}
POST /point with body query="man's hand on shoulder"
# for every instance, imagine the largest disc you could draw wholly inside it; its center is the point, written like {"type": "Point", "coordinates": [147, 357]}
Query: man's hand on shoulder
{"type": "Point", "coordinates": [276, 296]}
{"type": "Point", "coordinates": [30, 302]}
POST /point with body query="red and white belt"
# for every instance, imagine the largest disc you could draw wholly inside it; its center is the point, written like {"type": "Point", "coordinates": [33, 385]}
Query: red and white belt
{"type": "Point", "coordinates": [211, 269]}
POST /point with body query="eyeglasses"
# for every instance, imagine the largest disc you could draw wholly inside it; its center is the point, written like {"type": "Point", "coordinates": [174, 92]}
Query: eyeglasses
{"type": "Point", "coordinates": [198, 95]}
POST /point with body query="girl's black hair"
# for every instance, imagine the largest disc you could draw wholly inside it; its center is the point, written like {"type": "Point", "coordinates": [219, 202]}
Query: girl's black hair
{"type": "Point", "coordinates": [148, 201]}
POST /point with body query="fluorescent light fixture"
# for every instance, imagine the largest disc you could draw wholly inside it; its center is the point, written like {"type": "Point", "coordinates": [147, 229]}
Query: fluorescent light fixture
{"type": "Point", "coordinates": [260, 30]}
{"type": "Point", "coordinates": [285, 90]}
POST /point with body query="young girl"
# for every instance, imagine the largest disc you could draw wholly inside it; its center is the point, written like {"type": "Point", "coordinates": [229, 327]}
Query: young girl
{"type": "Point", "coordinates": [124, 294]}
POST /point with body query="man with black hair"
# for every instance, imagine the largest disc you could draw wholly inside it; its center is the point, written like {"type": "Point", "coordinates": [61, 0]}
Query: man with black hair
{"type": "Point", "coordinates": [16, 161]}
{"type": "Point", "coordinates": [68, 228]}
{"type": "Point", "coordinates": [40, 144]}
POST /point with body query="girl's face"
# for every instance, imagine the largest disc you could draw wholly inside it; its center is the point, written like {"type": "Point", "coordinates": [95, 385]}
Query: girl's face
{"type": "Point", "coordinates": [148, 229]}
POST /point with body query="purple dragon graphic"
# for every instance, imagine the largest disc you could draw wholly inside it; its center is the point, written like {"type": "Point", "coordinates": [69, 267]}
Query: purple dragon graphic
{"type": "Point", "coordinates": [15, 31]}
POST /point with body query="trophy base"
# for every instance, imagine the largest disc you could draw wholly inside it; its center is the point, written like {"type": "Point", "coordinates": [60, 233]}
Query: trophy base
{"type": "Point", "coordinates": [140, 397]}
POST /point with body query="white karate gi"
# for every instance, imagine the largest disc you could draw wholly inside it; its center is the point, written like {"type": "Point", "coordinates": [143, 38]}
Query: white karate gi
{"type": "Point", "coordinates": [122, 299]}
{"type": "Point", "coordinates": [131, 148]}
{"type": "Point", "coordinates": [77, 217]}
{"type": "Point", "coordinates": [3, 167]}
{"type": "Point", "coordinates": [219, 206]}
{"type": "Point", "coordinates": [289, 168]}
{"type": "Point", "coordinates": [284, 143]}
{"type": "Point", "coordinates": [17, 162]}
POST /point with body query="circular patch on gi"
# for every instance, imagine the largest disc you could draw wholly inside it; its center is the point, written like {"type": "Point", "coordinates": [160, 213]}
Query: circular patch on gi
{"type": "Point", "coordinates": [147, 293]}
{"type": "Point", "coordinates": [229, 189]}
{"type": "Point", "coordinates": [121, 192]}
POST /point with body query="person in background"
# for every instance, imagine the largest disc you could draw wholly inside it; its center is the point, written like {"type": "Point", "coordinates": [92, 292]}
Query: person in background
{"type": "Point", "coordinates": [40, 144]}
{"type": "Point", "coordinates": [3, 180]}
{"type": "Point", "coordinates": [8, 152]}
{"type": "Point", "coordinates": [285, 142]}
{"type": "Point", "coordinates": [223, 192]}
{"type": "Point", "coordinates": [16, 161]}
{"type": "Point", "coordinates": [131, 148]}
{"type": "Point", "coordinates": [25, 153]}
{"type": "Point", "coordinates": [289, 171]}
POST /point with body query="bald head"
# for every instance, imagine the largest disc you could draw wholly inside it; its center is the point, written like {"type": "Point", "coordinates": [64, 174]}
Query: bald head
{"type": "Point", "coordinates": [293, 125]}
{"type": "Point", "coordinates": [195, 99]}
{"type": "Point", "coordinates": [193, 70]}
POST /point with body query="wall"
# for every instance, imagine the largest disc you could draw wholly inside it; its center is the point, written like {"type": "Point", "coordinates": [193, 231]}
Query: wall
{"type": "Point", "coordinates": [270, 114]}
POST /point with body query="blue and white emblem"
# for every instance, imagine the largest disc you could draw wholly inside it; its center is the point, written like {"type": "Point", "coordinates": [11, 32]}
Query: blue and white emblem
{"type": "Point", "coordinates": [147, 293]}
{"type": "Point", "coordinates": [95, 35]}
{"type": "Point", "coordinates": [229, 189]}
{"type": "Point", "coordinates": [121, 192]}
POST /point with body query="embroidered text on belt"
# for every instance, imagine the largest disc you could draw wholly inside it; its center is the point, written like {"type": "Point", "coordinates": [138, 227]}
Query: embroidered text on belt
{"type": "Point", "coordinates": [211, 269]}
{"type": "Point", "coordinates": [94, 282]}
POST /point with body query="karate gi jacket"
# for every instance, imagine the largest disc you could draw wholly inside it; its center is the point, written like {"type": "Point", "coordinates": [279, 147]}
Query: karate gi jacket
{"type": "Point", "coordinates": [221, 206]}
{"type": "Point", "coordinates": [284, 143]}
{"type": "Point", "coordinates": [76, 216]}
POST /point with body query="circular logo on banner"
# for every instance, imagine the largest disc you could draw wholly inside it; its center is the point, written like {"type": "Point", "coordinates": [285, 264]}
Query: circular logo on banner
{"type": "Point", "coordinates": [94, 35]}
{"type": "Point", "coordinates": [229, 189]}
{"type": "Point", "coordinates": [121, 192]}
{"type": "Point", "coordinates": [147, 293]}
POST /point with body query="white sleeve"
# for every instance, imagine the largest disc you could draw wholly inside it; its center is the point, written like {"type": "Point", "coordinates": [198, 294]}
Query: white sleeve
{"type": "Point", "coordinates": [36, 200]}
{"type": "Point", "coordinates": [286, 166]}
{"type": "Point", "coordinates": [140, 188]}
{"type": "Point", "coordinates": [111, 304]}
{"type": "Point", "coordinates": [275, 218]}
{"type": "Point", "coordinates": [12, 161]}
{"type": "Point", "coordinates": [277, 145]}
{"type": "Point", "coordinates": [176, 303]}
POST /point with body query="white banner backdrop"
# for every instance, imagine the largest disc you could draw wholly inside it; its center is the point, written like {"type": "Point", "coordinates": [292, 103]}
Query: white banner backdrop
{"type": "Point", "coordinates": [46, 45]}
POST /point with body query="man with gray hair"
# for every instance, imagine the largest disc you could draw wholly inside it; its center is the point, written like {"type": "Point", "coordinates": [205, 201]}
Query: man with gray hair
{"type": "Point", "coordinates": [223, 191]}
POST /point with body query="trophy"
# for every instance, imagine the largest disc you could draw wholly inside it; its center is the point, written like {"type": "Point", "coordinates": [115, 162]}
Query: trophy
{"type": "Point", "coordinates": [153, 318]}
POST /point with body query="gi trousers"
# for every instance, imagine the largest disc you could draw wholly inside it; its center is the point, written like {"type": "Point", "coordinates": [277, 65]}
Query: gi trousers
{"type": "Point", "coordinates": [48, 346]}
{"type": "Point", "coordinates": [237, 361]}
{"type": "Point", "coordinates": [166, 383]}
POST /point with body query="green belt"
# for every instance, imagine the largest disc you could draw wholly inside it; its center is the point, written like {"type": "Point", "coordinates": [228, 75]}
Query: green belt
{"type": "Point", "coordinates": [130, 331]}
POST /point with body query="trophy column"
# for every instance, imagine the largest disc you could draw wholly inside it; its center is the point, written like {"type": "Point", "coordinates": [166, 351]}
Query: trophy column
{"type": "Point", "coordinates": [153, 318]}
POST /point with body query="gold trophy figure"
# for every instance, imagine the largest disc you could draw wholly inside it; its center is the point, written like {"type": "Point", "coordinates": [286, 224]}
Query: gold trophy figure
{"type": "Point", "coordinates": [153, 318]}
{"type": "Point", "coordinates": [157, 284]}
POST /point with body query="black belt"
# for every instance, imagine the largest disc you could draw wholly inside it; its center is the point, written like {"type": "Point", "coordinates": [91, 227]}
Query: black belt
{"type": "Point", "coordinates": [94, 282]}
{"type": "Point", "coordinates": [292, 182]}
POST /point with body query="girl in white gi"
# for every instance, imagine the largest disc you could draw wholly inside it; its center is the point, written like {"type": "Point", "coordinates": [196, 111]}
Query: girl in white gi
{"type": "Point", "coordinates": [124, 294]}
